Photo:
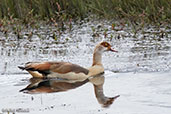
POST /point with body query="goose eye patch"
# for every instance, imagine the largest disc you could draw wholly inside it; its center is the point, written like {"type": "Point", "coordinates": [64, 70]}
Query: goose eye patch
{"type": "Point", "coordinates": [105, 44]}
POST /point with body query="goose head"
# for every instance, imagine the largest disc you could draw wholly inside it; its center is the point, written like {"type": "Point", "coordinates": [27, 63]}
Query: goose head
{"type": "Point", "coordinates": [99, 49]}
{"type": "Point", "coordinates": [103, 47]}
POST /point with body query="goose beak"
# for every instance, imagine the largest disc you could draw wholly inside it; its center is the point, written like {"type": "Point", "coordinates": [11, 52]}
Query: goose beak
{"type": "Point", "coordinates": [110, 49]}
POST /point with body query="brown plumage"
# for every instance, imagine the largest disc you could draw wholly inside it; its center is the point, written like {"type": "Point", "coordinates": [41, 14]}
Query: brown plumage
{"type": "Point", "coordinates": [58, 67]}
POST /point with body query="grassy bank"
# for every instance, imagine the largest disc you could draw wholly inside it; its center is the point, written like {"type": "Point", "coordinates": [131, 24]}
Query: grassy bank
{"type": "Point", "coordinates": [133, 10]}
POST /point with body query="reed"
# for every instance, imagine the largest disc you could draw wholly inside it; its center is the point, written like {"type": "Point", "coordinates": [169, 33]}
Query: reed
{"type": "Point", "coordinates": [133, 10]}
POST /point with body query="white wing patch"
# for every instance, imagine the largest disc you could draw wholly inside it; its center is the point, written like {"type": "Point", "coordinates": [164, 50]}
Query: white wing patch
{"type": "Point", "coordinates": [69, 76]}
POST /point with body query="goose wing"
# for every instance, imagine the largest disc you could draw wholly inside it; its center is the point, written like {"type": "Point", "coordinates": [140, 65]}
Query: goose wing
{"type": "Point", "coordinates": [48, 68]}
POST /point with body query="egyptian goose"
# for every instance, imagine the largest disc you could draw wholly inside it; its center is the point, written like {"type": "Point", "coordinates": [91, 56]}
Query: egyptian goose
{"type": "Point", "coordinates": [66, 70]}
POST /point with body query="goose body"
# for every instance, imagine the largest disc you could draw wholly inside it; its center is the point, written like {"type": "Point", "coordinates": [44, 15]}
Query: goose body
{"type": "Point", "coordinates": [66, 70]}
{"type": "Point", "coordinates": [63, 70]}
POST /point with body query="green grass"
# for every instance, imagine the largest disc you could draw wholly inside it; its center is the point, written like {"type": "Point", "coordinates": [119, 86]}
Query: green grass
{"type": "Point", "coordinates": [152, 11]}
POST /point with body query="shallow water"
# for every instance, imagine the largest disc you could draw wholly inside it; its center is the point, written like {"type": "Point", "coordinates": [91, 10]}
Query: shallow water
{"type": "Point", "coordinates": [139, 72]}
{"type": "Point", "coordinates": [141, 93]}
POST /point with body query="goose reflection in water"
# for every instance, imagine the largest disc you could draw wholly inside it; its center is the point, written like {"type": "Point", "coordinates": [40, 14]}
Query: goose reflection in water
{"type": "Point", "coordinates": [38, 85]}
{"type": "Point", "coordinates": [98, 82]}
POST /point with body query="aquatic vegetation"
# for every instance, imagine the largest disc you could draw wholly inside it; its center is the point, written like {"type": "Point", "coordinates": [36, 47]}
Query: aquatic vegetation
{"type": "Point", "coordinates": [63, 14]}
{"type": "Point", "coordinates": [156, 11]}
